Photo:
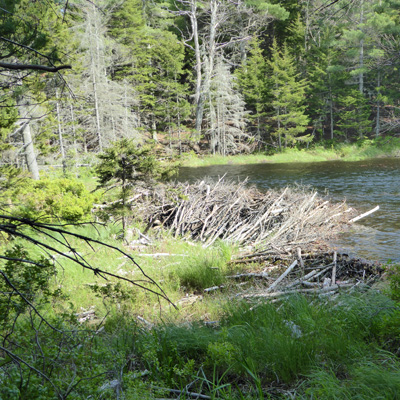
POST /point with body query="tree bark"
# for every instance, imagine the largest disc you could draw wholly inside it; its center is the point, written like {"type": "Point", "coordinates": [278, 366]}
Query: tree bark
{"type": "Point", "coordinates": [378, 107]}
{"type": "Point", "coordinates": [30, 155]}
{"type": "Point", "coordinates": [60, 135]}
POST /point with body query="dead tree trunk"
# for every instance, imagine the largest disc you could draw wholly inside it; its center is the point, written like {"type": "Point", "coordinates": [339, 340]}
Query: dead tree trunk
{"type": "Point", "coordinates": [30, 155]}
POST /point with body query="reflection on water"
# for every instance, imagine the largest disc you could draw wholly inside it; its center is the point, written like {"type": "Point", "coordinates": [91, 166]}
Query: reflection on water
{"type": "Point", "coordinates": [364, 184]}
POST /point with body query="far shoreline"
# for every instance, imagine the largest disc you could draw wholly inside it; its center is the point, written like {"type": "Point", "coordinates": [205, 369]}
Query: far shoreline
{"type": "Point", "coordinates": [369, 149]}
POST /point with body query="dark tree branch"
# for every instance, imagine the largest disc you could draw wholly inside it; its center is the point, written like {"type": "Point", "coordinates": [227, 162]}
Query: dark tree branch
{"type": "Point", "coordinates": [13, 228]}
{"type": "Point", "coordinates": [9, 283]}
{"type": "Point", "coordinates": [33, 67]}
{"type": "Point", "coordinates": [20, 360]}
{"type": "Point", "coordinates": [23, 46]}
{"type": "Point", "coordinates": [327, 5]}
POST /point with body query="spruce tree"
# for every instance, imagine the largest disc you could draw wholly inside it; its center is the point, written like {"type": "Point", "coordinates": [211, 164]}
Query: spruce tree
{"type": "Point", "coordinates": [252, 81]}
{"type": "Point", "coordinates": [288, 92]}
{"type": "Point", "coordinates": [152, 62]}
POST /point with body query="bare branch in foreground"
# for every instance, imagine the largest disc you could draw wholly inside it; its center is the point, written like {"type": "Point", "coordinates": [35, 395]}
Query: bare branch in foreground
{"type": "Point", "coordinates": [33, 67]}
{"type": "Point", "coordinates": [14, 226]}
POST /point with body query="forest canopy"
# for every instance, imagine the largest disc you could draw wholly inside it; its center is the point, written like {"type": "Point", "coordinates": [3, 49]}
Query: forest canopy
{"type": "Point", "coordinates": [217, 76]}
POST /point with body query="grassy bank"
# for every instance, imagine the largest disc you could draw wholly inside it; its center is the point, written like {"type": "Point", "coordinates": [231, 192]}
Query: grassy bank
{"type": "Point", "coordinates": [366, 149]}
{"type": "Point", "coordinates": [73, 332]}
{"type": "Point", "coordinates": [216, 344]}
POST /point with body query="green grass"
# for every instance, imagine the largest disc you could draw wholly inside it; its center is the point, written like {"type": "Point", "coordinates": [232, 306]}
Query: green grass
{"type": "Point", "coordinates": [326, 349]}
{"type": "Point", "coordinates": [183, 268]}
{"type": "Point", "coordinates": [368, 379]}
{"type": "Point", "coordinates": [365, 149]}
{"type": "Point", "coordinates": [323, 349]}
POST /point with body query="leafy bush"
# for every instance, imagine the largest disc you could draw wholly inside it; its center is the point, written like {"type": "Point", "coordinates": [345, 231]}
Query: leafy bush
{"type": "Point", "coordinates": [22, 282]}
{"type": "Point", "coordinates": [65, 199]}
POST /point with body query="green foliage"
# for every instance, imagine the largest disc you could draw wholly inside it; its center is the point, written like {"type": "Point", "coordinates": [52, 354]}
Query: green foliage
{"type": "Point", "coordinates": [288, 98]}
{"type": "Point", "coordinates": [252, 80]}
{"type": "Point", "coordinates": [354, 114]}
{"type": "Point", "coordinates": [125, 162]}
{"type": "Point", "coordinates": [62, 198]}
{"type": "Point", "coordinates": [394, 281]}
{"type": "Point", "coordinates": [23, 279]}
{"type": "Point", "coordinates": [8, 116]}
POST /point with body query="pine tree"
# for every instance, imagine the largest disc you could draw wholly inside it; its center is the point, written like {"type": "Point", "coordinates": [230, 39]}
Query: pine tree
{"type": "Point", "coordinates": [288, 98]}
{"type": "Point", "coordinates": [354, 115]}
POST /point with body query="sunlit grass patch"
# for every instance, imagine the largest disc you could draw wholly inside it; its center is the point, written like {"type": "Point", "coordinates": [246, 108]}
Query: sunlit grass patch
{"type": "Point", "coordinates": [361, 150]}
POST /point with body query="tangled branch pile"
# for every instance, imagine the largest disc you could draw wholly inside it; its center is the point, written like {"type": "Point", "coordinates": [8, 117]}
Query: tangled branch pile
{"type": "Point", "coordinates": [314, 274]}
{"type": "Point", "coordinates": [234, 212]}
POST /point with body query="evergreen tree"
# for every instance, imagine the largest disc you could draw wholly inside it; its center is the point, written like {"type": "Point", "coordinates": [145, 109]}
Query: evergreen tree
{"type": "Point", "coordinates": [152, 61]}
{"type": "Point", "coordinates": [252, 80]}
{"type": "Point", "coordinates": [288, 98]}
{"type": "Point", "coordinates": [354, 115]}
{"type": "Point", "coordinates": [226, 113]}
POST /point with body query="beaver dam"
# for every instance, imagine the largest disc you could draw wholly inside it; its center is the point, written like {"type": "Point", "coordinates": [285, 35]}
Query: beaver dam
{"type": "Point", "coordinates": [282, 234]}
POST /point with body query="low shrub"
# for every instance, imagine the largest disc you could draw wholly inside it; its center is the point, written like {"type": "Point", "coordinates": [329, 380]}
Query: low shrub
{"type": "Point", "coordinates": [62, 198]}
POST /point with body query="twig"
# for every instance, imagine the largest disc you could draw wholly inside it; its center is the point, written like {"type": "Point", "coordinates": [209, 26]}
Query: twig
{"type": "Point", "coordinates": [191, 394]}
{"type": "Point", "coordinates": [334, 268]}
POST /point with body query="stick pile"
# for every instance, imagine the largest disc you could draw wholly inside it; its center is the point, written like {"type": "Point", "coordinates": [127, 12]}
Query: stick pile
{"type": "Point", "coordinates": [234, 212]}
{"type": "Point", "coordinates": [322, 273]}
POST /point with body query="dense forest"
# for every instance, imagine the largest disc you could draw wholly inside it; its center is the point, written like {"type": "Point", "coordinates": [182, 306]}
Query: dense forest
{"type": "Point", "coordinates": [220, 76]}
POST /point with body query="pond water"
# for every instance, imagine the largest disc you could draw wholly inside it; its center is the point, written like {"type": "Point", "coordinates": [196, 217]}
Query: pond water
{"type": "Point", "coordinates": [364, 184]}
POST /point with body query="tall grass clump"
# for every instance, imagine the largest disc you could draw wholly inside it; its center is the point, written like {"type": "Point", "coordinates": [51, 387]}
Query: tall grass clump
{"type": "Point", "coordinates": [204, 268]}
{"type": "Point", "coordinates": [365, 380]}
{"type": "Point", "coordinates": [273, 342]}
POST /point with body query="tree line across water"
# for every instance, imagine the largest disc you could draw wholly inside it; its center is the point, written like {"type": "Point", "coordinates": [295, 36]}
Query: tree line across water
{"type": "Point", "coordinates": [224, 76]}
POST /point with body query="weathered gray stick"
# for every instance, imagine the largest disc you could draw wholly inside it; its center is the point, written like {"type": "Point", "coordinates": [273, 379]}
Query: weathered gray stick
{"type": "Point", "coordinates": [365, 214]}
{"type": "Point", "coordinates": [283, 276]}
{"type": "Point", "coordinates": [334, 268]}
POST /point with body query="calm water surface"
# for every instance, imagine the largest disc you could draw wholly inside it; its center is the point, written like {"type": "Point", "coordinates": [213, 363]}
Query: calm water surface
{"type": "Point", "coordinates": [364, 184]}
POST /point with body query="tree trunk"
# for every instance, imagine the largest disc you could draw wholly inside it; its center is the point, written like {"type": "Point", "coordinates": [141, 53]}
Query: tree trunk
{"type": "Point", "coordinates": [30, 155]}
{"type": "Point", "coordinates": [331, 110]}
{"type": "Point", "coordinates": [279, 132]}
{"type": "Point", "coordinates": [378, 107]}
{"type": "Point", "coordinates": [154, 129]}
{"type": "Point", "coordinates": [361, 63]}
{"type": "Point", "coordinates": [94, 81]}
{"type": "Point", "coordinates": [60, 135]}
{"type": "Point", "coordinates": [197, 97]}
{"type": "Point", "coordinates": [209, 63]}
